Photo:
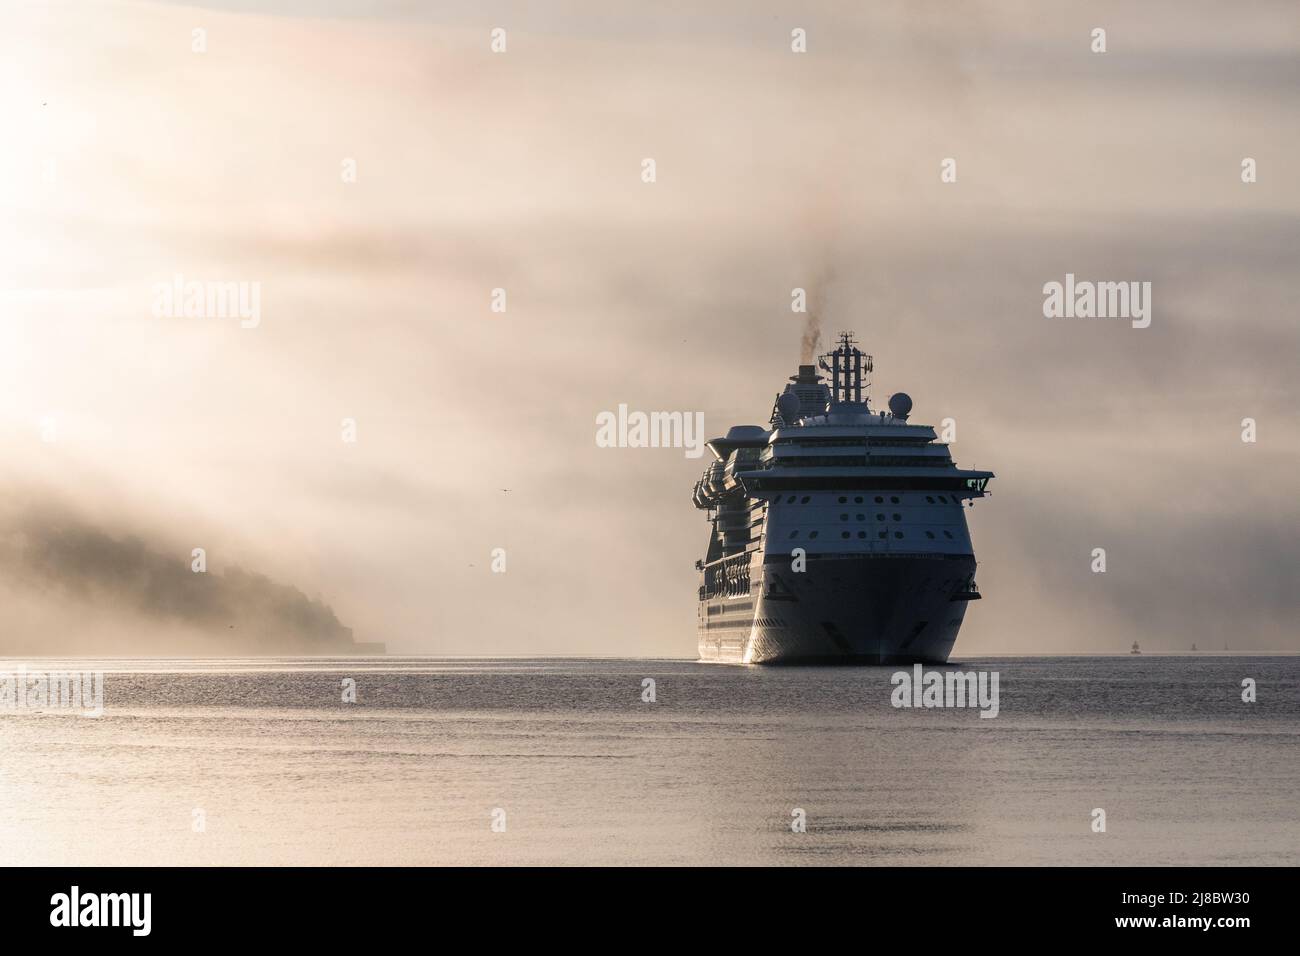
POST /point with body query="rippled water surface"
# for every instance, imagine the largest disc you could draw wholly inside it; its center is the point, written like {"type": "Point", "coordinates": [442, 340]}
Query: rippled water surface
{"type": "Point", "coordinates": [282, 771]}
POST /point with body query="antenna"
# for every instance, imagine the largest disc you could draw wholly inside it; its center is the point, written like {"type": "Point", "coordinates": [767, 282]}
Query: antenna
{"type": "Point", "coordinates": [848, 365]}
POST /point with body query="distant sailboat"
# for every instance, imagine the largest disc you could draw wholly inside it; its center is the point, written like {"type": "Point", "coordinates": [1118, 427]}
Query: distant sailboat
{"type": "Point", "coordinates": [1193, 647]}
{"type": "Point", "coordinates": [1136, 649]}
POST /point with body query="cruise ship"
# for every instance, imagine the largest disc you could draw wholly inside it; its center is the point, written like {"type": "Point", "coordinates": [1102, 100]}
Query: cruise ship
{"type": "Point", "coordinates": [837, 533]}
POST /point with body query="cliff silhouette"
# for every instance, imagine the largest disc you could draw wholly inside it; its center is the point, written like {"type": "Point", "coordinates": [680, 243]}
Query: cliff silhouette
{"type": "Point", "coordinates": [74, 588]}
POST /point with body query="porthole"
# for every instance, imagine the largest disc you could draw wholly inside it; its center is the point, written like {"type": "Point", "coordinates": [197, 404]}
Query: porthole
{"type": "Point", "coordinates": [929, 534]}
{"type": "Point", "coordinates": [880, 517]}
{"type": "Point", "coordinates": [943, 500]}
{"type": "Point", "coordinates": [898, 534]}
{"type": "Point", "coordinates": [804, 500]}
{"type": "Point", "coordinates": [897, 516]}
{"type": "Point", "coordinates": [790, 500]}
{"type": "Point", "coordinates": [843, 500]}
{"type": "Point", "coordinates": [857, 500]}
{"type": "Point", "coordinates": [929, 499]}
{"type": "Point", "coordinates": [884, 534]}
{"type": "Point", "coordinates": [844, 534]}
{"type": "Point", "coordinates": [862, 534]}
{"type": "Point", "coordinates": [879, 500]}
{"type": "Point", "coordinates": [947, 534]}
{"type": "Point", "coordinates": [794, 534]}
{"type": "Point", "coordinates": [893, 499]}
{"type": "Point", "coordinates": [812, 534]}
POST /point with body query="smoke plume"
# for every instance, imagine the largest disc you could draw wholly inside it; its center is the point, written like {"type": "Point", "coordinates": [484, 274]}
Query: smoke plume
{"type": "Point", "coordinates": [811, 341]}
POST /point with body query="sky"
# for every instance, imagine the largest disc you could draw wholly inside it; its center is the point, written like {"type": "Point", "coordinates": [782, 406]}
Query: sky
{"type": "Point", "coordinates": [130, 157]}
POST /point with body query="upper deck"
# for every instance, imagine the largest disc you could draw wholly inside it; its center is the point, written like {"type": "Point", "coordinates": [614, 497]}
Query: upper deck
{"type": "Point", "coordinates": [827, 436]}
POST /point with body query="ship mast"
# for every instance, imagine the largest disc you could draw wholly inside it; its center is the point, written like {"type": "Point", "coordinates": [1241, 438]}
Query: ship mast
{"type": "Point", "coordinates": [847, 368]}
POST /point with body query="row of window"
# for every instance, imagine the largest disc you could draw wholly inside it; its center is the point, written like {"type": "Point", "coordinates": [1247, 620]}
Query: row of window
{"type": "Point", "coordinates": [856, 442]}
{"type": "Point", "coordinates": [856, 461]}
{"type": "Point", "coordinates": [880, 499]}
{"type": "Point", "coordinates": [881, 534]}
{"type": "Point", "coordinates": [714, 609]}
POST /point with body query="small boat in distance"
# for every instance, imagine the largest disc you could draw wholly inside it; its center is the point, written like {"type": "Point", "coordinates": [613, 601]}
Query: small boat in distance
{"type": "Point", "coordinates": [1136, 649]}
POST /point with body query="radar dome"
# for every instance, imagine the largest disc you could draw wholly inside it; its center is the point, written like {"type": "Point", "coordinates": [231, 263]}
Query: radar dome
{"type": "Point", "coordinates": [788, 406]}
{"type": "Point", "coordinates": [900, 405]}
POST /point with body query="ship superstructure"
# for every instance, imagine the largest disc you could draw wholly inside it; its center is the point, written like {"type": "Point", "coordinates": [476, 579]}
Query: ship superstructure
{"type": "Point", "coordinates": [838, 533]}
